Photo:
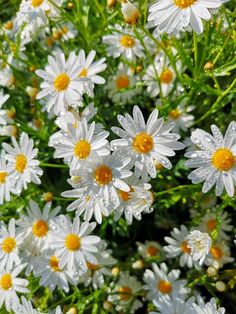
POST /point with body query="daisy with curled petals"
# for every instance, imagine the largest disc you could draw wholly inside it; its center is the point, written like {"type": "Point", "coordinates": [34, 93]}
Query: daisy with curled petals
{"type": "Point", "coordinates": [207, 308]}
{"type": "Point", "coordinates": [6, 183]}
{"type": "Point", "coordinates": [219, 255]}
{"type": "Point", "coordinates": [123, 42]}
{"type": "Point", "coordinates": [10, 284]}
{"type": "Point", "coordinates": [177, 246]}
{"type": "Point", "coordinates": [80, 143]}
{"type": "Point", "coordinates": [73, 245]}
{"type": "Point", "coordinates": [132, 204]}
{"type": "Point", "coordinates": [124, 293]}
{"type": "Point", "coordinates": [215, 161]}
{"type": "Point", "coordinates": [23, 167]}
{"type": "Point", "coordinates": [24, 307]}
{"type": "Point", "coordinates": [35, 227]}
{"type": "Point", "coordinates": [176, 305]}
{"type": "Point", "coordinates": [103, 176]}
{"type": "Point", "coordinates": [145, 143]}
{"type": "Point", "coordinates": [10, 241]}
{"type": "Point", "coordinates": [62, 86]}
{"type": "Point", "coordinates": [180, 115]}
{"type": "Point", "coordinates": [172, 16]}
{"type": "Point", "coordinates": [52, 276]}
{"type": "Point", "coordinates": [149, 249]}
{"type": "Point", "coordinates": [160, 283]}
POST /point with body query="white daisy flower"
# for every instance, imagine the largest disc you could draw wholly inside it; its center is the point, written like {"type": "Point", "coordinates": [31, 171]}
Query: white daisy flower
{"type": "Point", "coordinates": [96, 272]}
{"type": "Point", "coordinates": [146, 143]}
{"type": "Point", "coordinates": [103, 177]}
{"type": "Point", "coordinates": [23, 167]}
{"type": "Point", "coordinates": [125, 293]}
{"type": "Point", "coordinates": [160, 283]}
{"type": "Point", "coordinates": [207, 308]}
{"type": "Point", "coordinates": [8, 130]}
{"type": "Point", "coordinates": [199, 244]}
{"type": "Point", "coordinates": [62, 86]}
{"type": "Point", "coordinates": [10, 284]}
{"type": "Point", "coordinates": [216, 161]}
{"type": "Point", "coordinates": [160, 76]}
{"type": "Point", "coordinates": [5, 115]}
{"type": "Point", "coordinates": [52, 275]}
{"type": "Point", "coordinates": [209, 224]}
{"type": "Point", "coordinates": [80, 143]}
{"type": "Point", "coordinates": [122, 85]}
{"type": "Point", "coordinates": [90, 69]}
{"type": "Point", "coordinates": [35, 227]}
{"type": "Point", "coordinates": [74, 247]}
{"type": "Point", "coordinates": [10, 240]}
{"type": "Point", "coordinates": [176, 305]}
{"type": "Point", "coordinates": [7, 78]}
{"type": "Point", "coordinates": [123, 42]}
{"type": "Point", "coordinates": [177, 246]}
{"type": "Point", "coordinates": [24, 307]}
{"type": "Point", "coordinates": [180, 115]}
{"type": "Point", "coordinates": [149, 249]}
{"type": "Point", "coordinates": [132, 204]}
{"type": "Point", "coordinates": [64, 32]}
{"type": "Point", "coordinates": [219, 255]}
{"type": "Point", "coordinates": [176, 15]}
{"type": "Point", "coordinates": [130, 12]}
{"type": "Point", "coordinates": [6, 183]}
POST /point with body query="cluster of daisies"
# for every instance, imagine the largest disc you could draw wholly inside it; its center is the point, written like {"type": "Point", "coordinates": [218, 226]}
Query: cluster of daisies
{"type": "Point", "coordinates": [112, 171]}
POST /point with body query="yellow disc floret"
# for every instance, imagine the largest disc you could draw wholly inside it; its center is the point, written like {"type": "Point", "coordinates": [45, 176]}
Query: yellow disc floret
{"type": "Point", "coordinates": [6, 282]}
{"type": "Point", "coordinates": [36, 3]}
{"type": "Point", "coordinates": [122, 82]}
{"type": "Point", "coordinates": [54, 263]}
{"type": "Point", "coordinates": [127, 41]}
{"type": "Point", "coordinates": [164, 286]}
{"type": "Point", "coordinates": [40, 228]}
{"type": "Point", "coordinates": [3, 176]}
{"type": "Point", "coordinates": [184, 4]}
{"type": "Point", "coordinates": [166, 76]}
{"type": "Point", "coordinates": [223, 159]}
{"type": "Point", "coordinates": [82, 149]}
{"type": "Point", "coordinates": [103, 175]}
{"type": "Point", "coordinates": [8, 244]}
{"type": "Point", "coordinates": [143, 143]}
{"type": "Point", "coordinates": [125, 293]}
{"type": "Point", "coordinates": [61, 82]}
{"type": "Point", "coordinates": [21, 163]}
{"type": "Point", "coordinates": [72, 242]}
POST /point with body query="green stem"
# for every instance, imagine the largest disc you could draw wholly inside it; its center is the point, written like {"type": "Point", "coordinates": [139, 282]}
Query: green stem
{"type": "Point", "coordinates": [195, 51]}
{"type": "Point", "coordinates": [176, 188]}
{"type": "Point", "coordinates": [44, 164]}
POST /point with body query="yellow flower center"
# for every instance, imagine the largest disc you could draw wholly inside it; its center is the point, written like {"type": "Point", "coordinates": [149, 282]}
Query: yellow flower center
{"type": "Point", "coordinates": [103, 175]}
{"type": "Point", "coordinates": [83, 73]}
{"type": "Point", "coordinates": [216, 252]}
{"type": "Point", "coordinates": [152, 250]}
{"type": "Point", "coordinates": [127, 41]}
{"type": "Point", "coordinates": [125, 196]}
{"type": "Point", "coordinates": [61, 82]}
{"type": "Point", "coordinates": [8, 244]}
{"type": "Point", "coordinates": [166, 76]}
{"type": "Point", "coordinates": [122, 82]}
{"type": "Point", "coordinates": [54, 263]}
{"type": "Point", "coordinates": [11, 114]}
{"type": "Point", "coordinates": [82, 149]}
{"type": "Point", "coordinates": [223, 159]}
{"type": "Point", "coordinates": [6, 282]}
{"type": "Point", "coordinates": [36, 3]}
{"type": "Point", "coordinates": [183, 4]}
{"type": "Point", "coordinates": [93, 267]}
{"type": "Point", "coordinates": [143, 143]}
{"type": "Point", "coordinates": [211, 224]}
{"type": "Point", "coordinates": [40, 228]}
{"type": "Point", "coordinates": [164, 286]}
{"type": "Point", "coordinates": [125, 293]}
{"type": "Point", "coordinates": [174, 114]}
{"type": "Point", "coordinates": [185, 248]}
{"type": "Point", "coordinates": [64, 29]}
{"type": "Point", "coordinates": [21, 163]}
{"type": "Point", "coordinates": [3, 176]}
{"type": "Point", "coordinates": [72, 242]}
{"type": "Point", "coordinates": [8, 25]}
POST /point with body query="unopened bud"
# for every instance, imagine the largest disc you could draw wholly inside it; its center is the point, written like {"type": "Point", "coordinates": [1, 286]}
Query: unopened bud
{"type": "Point", "coordinates": [139, 264]}
{"type": "Point", "coordinates": [72, 311]}
{"type": "Point", "coordinates": [211, 271]}
{"type": "Point", "coordinates": [220, 286]}
{"type": "Point", "coordinates": [115, 271]}
{"type": "Point", "coordinates": [111, 4]}
{"type": "Point", "coordinates": [130, 12]}
{"type": "Point", "coordinates": [48, 197]}
{"type": "Point", "coordinates": [107, 305]}
{"type": "Point", "coordinates": [209, 66]}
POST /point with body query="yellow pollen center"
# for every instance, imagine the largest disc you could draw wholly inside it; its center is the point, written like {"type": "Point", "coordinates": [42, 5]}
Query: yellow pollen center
{"type": "Point", "coordinates": [127, 41]}
{"type": "Point", "coordinates": [143, 143]}
{"type": "Point", "coordinates": [223, 159]}
{"type": "Point", "coordinates": [122, 82]}
{"type": "Point", "coordinates": [93, 267]}
{"type": "Point", "coordinates": [83, 73]}
{"type": "Point", "coordinates": [8, 25]}
{"type": "Point", "coordinates": [174, 114]}
{"type": "Point", "coordinates": [54, 263]}
{"type": "Point", "coordinates": [8, 244]}
{"type": "Point", "coordinates": [3, 176]}
{"type": "Point", "coordinates": [6, 282]}
{"type": "Point", "coordinates": [152, 250]}
{"type": "Point", "coordinates": [125, 293]}
{"type": "Point", "coordinates": [164, 286]}
{"type": "Point", "coordinates": [216, 252]}
{"type": "Point", "coordinates": [64, 30]}
{"type": "Point", "coordinates": [72, 242]}
{"type": "Point", "coordinates": [183, 4]}
{"type": "Point", "coordinates": [125, 196]}
{"type": "Point", "coordinates": [166, 76]}
{"type": "Point", "coordinates": [185, 248]}
{"type": "Point", "coordinates": [21, 163]}
{"type": "Point", "coordinates": [103, 175]}
{"type": "Point", "coordinates": [82, 149]}
{"type": "Point", "coordinates": [36, 3]}
{"type": "Point", "coordinates": [61, 82]}
{"type": "Point", "coordinates": [40, 228]}
{"type": "Point", "coordinates": [211, 224]}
